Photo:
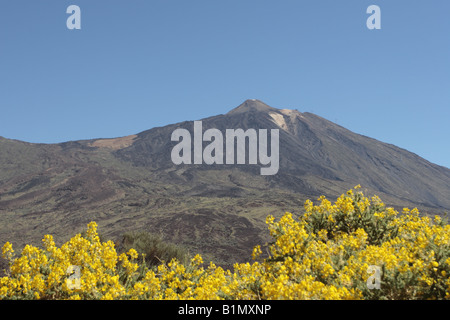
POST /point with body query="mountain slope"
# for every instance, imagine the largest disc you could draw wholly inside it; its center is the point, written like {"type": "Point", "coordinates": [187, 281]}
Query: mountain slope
{"type": "Point", "coordinates": [131, 182]}
{"type": "Point", "coordinates": [312, 147]}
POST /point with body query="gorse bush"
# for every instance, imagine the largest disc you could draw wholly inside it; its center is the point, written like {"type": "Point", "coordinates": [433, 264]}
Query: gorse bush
{"type": "Point", "coordinates": [350, 213]}
{"type": "Point", "coordinates": [328, 253]}
{"type": "Point", "coordinates": [333, 246]}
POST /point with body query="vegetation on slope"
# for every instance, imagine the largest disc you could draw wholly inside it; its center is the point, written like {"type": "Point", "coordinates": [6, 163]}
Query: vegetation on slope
{"type": "Point", "coordinates": [327, 253]}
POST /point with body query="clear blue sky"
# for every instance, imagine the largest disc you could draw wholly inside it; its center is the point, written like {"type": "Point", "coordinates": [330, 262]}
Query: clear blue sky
{"type": "Point", "coordinates": [139, 64]}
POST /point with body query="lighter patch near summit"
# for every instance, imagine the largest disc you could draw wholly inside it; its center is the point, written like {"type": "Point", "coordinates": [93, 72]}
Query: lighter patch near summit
{"type": "Point", "coordinates": [279, 120]}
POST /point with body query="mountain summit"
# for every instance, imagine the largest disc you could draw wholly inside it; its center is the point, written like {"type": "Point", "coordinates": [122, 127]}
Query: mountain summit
{"type": "Point", "coordinates": [130, 183]}
{"type": "Point", "coordinates": [252, 105]}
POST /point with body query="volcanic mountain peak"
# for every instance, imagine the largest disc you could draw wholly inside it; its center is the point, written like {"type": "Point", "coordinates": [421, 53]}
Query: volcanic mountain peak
{"type": "Point", "coordinates": [252, 105]}
{"type": "Point", "coordinates": [283, 118]}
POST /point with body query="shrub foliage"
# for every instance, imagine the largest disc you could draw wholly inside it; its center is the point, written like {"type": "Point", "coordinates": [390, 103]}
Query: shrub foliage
{"type": "Point", "coordinates": [151, 248]}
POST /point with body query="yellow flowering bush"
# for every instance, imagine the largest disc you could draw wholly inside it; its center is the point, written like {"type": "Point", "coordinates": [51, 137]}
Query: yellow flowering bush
{"type": "Point", "coordinates": [327, 253]}
{"type": "Point", "coordinates": [334, 244]}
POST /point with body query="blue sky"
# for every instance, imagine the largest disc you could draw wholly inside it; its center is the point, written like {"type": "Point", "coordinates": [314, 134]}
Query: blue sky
{"type": "Point", "coordinates": [139, 64]}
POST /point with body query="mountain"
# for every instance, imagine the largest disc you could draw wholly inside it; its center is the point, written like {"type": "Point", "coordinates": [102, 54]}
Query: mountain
{"type": "Point", "coordinates": [131, 183]}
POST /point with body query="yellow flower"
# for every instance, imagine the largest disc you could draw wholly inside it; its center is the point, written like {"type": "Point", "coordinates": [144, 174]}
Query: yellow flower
{"type": "Point", "coordinates": [197, 260]}
{"type": "Point", "coordinates": [7, 251]}
{"type": "Point", "coordinates": [133, 253]}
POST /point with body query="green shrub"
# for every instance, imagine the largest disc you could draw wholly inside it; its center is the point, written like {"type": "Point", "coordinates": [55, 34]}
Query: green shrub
{"type": "Point", "coordinates": [153, 247]}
